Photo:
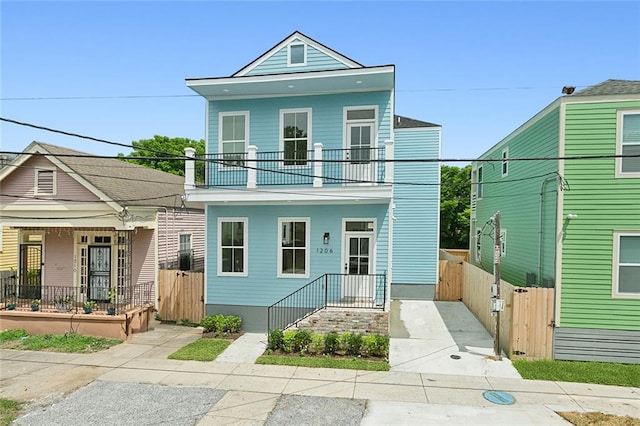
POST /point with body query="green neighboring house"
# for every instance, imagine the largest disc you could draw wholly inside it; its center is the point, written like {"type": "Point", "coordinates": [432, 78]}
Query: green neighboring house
{"type": "Point", "coordinates": [572, 224]}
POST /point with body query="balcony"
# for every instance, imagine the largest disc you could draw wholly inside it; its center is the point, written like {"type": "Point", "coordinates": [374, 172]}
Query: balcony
{"type": "Point", "coordinates": [315, 168]}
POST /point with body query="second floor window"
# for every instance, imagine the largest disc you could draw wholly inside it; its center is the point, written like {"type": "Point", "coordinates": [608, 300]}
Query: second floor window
{"type": "Point", "coordinates": [295, 132]}
{"type": "Point", "coordinates": [233, 137]}
{"type": "Point", "coordinates": [629, 143]}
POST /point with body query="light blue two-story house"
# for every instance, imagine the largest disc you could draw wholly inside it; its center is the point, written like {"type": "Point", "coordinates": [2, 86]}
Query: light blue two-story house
{"type": "Point", "coordinates": [311, 201]}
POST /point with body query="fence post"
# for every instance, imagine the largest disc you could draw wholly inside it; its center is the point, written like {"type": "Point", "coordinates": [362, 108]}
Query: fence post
{"type": "Point", "coordinates": [251, 166]}
{"type": "Point", "coordinates": [317, 165]}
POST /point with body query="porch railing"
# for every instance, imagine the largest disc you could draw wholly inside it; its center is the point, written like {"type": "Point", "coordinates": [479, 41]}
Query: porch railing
{"type": "Point", "coordinates": [329, 290]}
{"type": "Point", "coordinates": [317, 167]}
{"type": "Point", "coordinates": [71, 299]}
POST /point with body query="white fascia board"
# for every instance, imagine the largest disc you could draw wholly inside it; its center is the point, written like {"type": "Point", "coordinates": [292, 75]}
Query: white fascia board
{"type": "Point", "coordinates": [309, 42]}
{"type": "Point", "coordinates": [291, 95]}
{"type": "Point", "coordinates": [289, 76]}
{"type": "Point", "coordinates": [350, 195]}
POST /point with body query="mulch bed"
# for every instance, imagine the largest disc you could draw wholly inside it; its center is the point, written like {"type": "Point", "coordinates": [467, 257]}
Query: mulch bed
{"type": "Point", "coordinates": [225, 336]}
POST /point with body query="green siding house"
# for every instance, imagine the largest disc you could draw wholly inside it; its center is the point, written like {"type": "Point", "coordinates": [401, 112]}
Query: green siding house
{"type": "Point", "coordinates": [567, 186]}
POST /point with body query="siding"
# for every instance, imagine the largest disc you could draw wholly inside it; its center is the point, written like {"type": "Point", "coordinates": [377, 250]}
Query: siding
{"type": "Point", "coordinates": [143, 264]}
{"type": "Point", "coordinates": [21, 182]}
{"type": "Point", "coordinates": [603, 204]}
{"type": "Point", "coordinates": [175, 222]}
{"type": "Point", "coordinates": [9, 249]}
{"type": "Point", "coordinates": [517, 197]}
{"type": "Point", "coordinates": [580, 344]}
{"type": "Point", "coordinates": [316, 61]}
{"type": "Point", "coordinates": [415, 230]}
{"type": "Point", "coordinates": [262, 287]}
{"type": "Point", "coordinates": [327, 118]}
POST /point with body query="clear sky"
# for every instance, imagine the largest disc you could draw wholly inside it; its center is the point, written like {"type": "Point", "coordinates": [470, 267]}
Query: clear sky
{"type": "Point", "coordinates": [480, 69]}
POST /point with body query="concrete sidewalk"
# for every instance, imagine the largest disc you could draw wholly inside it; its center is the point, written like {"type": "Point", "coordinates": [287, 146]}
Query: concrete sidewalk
{"type": "Point", "coordinates": [245, 393]}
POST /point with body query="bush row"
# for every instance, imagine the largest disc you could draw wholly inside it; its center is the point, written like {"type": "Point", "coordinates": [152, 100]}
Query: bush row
{"type": "Point", "coordinates": [305, 342]}
{"type": "Point", "coordinates": [221, 324]}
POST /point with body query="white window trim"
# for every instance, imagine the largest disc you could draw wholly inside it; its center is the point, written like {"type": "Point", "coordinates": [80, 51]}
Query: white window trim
{"type": "Point", "coordinates": [373, 249]}
{"type": "Point", "coordinates": [304, 54]}
{"type": "Point", "coordinates": [307, 241]}
{"type": "Point", "coordinates": [374, 120]}
{"type": "Point", "coordinates": [479, 183]}
{"type": "Point", "coordinates": [245, 246]}
{"type": "Point", "coordinates": [190, 239]}
{"type": "Point", "coordinates": [221, 115]}
{"type": "Point", "coordinates": [37, 174]}
{"type": "Point", "coordinates": [615, 294]}
{"type": "Point", "coordinates": [620, 119]}
{"type": "Point", "coordinates": [281, 137]}
{"type": "Point", "coordinates": [505, 162]}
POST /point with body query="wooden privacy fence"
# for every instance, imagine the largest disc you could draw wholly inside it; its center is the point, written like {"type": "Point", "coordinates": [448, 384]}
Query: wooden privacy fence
{"type": "Point", "coordinates": [526, 324]}
{"type": "Point", "coordinates": [181, 295]}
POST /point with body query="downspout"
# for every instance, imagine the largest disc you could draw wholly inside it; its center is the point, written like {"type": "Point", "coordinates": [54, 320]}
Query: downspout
{"type": "Point", "coordinates": [540, 213]}
{"type": "Point", "coordinates": [166, 234]}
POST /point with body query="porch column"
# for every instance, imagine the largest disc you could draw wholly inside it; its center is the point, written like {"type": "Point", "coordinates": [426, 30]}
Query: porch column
{"type": "Point", "coordinates": [317, 165]}
{"type": "Point", "coordinates": [388, 164]}
{"type": "Point", "coordinates": [252, 151]}
{"type": "Point", "coordinates": [189, 169]}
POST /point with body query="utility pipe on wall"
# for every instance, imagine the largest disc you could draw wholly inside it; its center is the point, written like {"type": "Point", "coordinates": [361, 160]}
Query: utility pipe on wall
{"type": "Point", "coordinates": [540, 222]}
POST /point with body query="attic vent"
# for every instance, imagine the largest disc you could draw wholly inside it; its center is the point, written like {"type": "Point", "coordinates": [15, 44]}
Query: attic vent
{"type": "Point", "coordinates": [474, 202]}
{"type": "Point", "coordinates": [45, 182]}
{"type": "Point", "coordinates": [297, 54]}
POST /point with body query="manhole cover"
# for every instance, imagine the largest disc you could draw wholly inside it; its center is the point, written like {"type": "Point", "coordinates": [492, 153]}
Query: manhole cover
{"type": "Point", "coordinates": [499, 397]}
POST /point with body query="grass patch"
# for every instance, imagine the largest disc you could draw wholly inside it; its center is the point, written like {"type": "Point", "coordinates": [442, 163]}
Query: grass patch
{"type": "Point", "coordinates": [603, 373]}
{"type": "Point", "coordinates": [593, 419]}
{"type": "Point", "coordinates": [325, 362]}
{"type": "Point", "coordinates": [201, 350]}
{"type": "Point", "coordinates": [69, 342]}
{"type": "Point", "coordinates": [8, 411]}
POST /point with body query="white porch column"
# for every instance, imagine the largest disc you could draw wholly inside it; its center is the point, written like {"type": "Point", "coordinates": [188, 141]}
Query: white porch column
{"type": "Point", "coordinates": [189, 169]}
{"type": "Point", "coordinates": [388, 165]}
{"type": "Point", "coordinates": [252, 152]}
{"type": "Point", "coordinates": [317, 165]}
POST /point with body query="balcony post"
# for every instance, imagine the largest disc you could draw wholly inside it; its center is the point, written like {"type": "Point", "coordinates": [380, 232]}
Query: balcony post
{"type": "Point", "coordinates": [317, 165]}
{"type": "Point", "coordinates": [189, 168]}
{"type": "Point", "coordinates": [388, 163]}
{"type": "Point", "coordinates": [252, 164]}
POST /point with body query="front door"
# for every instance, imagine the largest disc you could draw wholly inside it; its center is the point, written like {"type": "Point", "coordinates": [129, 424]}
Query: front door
{"type": "Point", "coordinates": [357, 284]}
{"type": "Point", "coordinates": [358, 167]}
{"type": "Point", "coordinates": [30, 271]}
{"type": "Point", "coordinates": [99, 273]}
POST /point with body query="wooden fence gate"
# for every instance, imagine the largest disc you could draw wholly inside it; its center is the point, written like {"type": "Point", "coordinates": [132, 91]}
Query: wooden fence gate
{"type": "Point", "coordinates": [449, 287]}
{"type": "Point", "coordinates": [181, 295]}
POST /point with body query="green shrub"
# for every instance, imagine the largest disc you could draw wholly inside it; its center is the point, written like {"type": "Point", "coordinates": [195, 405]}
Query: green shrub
{"type": "Point", "coordinates": [316, 346]}
{"type": "Point", "coordinates": [232, 324]}
{"type": "Point", "coordinates": [275, 341]}
{"type": "Point", "coordinates": [220, 324]}
{"type": "Point", "coordinates": [375, 345]}
{"type": "Point", "coordinates": [15, 334]}
{"type": "Point", "coordinates": [301, 341]}
{"type": "Point", "coordinates": [353, 344]}
{"type": "Point", "coordinates": [331, 343]}
{"type": "Point", "coordinates": [288, 338]}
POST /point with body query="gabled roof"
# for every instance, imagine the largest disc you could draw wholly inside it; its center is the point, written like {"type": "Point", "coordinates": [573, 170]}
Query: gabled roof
{"type": "Point", "coordinates": [307, 40]}
{"type": "Point", "coordinates": [611, 87]}
{"type": "Point", "coordinates": [400, 122]}
{"type": "Point", "coordinates": [119, 181]}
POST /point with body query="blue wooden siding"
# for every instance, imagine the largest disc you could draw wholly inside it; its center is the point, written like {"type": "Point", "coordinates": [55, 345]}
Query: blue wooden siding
{"type": "Point", "coordinates": [415, 230]}
{"type": "Point", "coordinates": [326, 113]}
{"type": "Point", "coordinates": [316, 61]}
{"type": "Point", "coordinates": [262, 287]}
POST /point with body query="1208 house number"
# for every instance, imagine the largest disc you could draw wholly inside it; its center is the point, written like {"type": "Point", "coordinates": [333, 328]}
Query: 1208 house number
{"type": "Point", "coordinates": [324, 250]}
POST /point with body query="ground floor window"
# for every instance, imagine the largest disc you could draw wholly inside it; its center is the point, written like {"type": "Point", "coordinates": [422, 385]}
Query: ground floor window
{"type": "Point", "coordinates": [293, 252]}
{"type": "Point", "coordinates": [626, 264]}
{"type": "Point", "coordinates": [232, 246]}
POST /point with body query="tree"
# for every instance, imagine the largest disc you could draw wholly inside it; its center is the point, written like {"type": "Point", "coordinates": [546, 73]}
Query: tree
{"type": "Point", "coordinates": [163, 146]}
{"type": "Point", "coordinates": [455, 198]}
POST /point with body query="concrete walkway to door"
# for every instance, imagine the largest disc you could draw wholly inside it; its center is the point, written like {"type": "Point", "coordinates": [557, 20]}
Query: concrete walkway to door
{"type": "Point", "coordinates": [442, 338]}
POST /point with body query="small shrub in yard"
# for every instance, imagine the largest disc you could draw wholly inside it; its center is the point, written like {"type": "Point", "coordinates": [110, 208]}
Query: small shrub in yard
{"type": "Point", "coordinates": [353, 343]}
{"type": "Point", "coordinates": [316, 347]}
{"type": "Point", "coordinates": [221, 324]}
{"type": "Point", "coordinates": [301, 341]}
{"type": "Point", "coordinates": [288, 338]}
{"type": "Point", "coordinates": [275, 341]}
{"type": "Point", "coordinates": [375, 345]}
{"type": "Point", "coordinates": [8, 335]}
{"type": "Point", "coordinates": [331, 343]}
{"type": "Point", "coordinates": [232, 324]}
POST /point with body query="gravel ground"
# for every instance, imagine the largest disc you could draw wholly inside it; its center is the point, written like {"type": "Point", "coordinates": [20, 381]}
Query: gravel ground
{"type": "Point", "coordinates": [316, 411]}
{"type": "Point", "coordinates": [114, 403]}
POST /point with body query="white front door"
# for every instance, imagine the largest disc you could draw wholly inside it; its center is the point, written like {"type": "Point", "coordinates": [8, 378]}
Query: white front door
{"type": "Point", "coordinates": [358, 167]}
{"type": "Point", "coordinates": [358, 266]}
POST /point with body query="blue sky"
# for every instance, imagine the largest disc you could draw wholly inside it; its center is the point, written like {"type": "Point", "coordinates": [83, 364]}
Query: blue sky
{"type": "Point", "coordinates": [480, 69]}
